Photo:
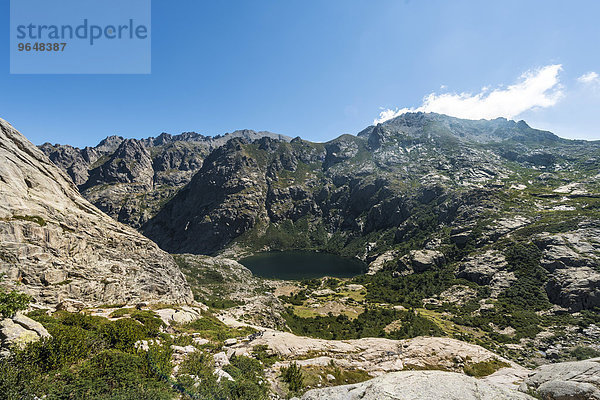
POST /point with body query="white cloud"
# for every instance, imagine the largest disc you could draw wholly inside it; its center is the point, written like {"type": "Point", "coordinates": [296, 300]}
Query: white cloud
{"type": "Point", "coordinates": [538, 88]}
{"type": "Point", "coordinates": [589, 77]}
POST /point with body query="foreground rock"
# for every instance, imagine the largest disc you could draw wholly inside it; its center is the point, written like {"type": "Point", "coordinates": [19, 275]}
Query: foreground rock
{"type": "Point", "coordinates": [20, 330]}
{"type": "Point", "coordinates": [578, 380]}
{"type": "Point", "coordinates": [374, 355]}
{"type": "Point", "coordinates": [417, 385]}
{"type": "Point", "coordinates": [58, 246]}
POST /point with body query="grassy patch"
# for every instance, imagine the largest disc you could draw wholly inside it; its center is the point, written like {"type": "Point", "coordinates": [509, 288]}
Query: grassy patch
{"type": "Point", "coordinates": [210, 327]}
{"type": "Point", "coordinates": [31, 218]}
{"type": "Point", "coordinates": [317, 376]}
{"type": "Point", "coordinates": [484, 368]}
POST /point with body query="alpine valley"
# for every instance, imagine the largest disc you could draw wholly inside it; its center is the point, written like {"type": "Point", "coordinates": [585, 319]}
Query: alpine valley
{"type": "Point", "coordinates": [123, 277]}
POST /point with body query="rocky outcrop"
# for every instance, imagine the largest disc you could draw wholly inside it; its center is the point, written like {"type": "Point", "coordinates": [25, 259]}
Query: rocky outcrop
{"type": "Point", "coordinates": [423, 260]}
{"type": "Point", "coordinates": [226, 280]}
{"type": "Point", "coordinates": [575, 288]}
{"type": "Point", "coordinates": [417, 385]}
{"type": "Point", "coordinates": [130, 163]}
{"type": "Point", "coordinates": [577, 380]}
{"type": "Point", "coordinates": [488, 268]}
{"type": "Point", "coordinates": [573, 261]}
{"type": "Point", "coordinates": [374, 355]}
{"type": "Point", "coordinates": [379, 263]}
{"type": "Point", "coordinates": [55, 245]}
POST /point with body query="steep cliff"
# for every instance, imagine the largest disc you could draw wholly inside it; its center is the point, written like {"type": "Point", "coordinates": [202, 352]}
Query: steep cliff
{"type": "Point", "coordinates": [55, 245]}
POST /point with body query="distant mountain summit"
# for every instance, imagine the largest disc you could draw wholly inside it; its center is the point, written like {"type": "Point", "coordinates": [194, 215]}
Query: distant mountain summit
{"type": "Point", "coordinates": [439, 126]}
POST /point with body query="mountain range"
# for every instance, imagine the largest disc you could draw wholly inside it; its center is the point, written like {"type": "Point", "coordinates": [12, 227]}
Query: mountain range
{"type": "Point", "coordinates": [484, 231]}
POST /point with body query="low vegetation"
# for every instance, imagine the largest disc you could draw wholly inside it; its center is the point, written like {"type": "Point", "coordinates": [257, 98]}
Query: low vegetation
{"type": "Point", "coordinates": [86, 358]}
{"type": "Point", "coordinates": [92, 357]}
{"type": "Point", "coordinates": [12, 302]}
{"type": "Point", "coordinates": [332, 375]}
{"type": "Point", "coordinates": [210, 327]}
{"type": "Point", "coordinates": [293, 377]}
{"type": "Point", "coordinates": [484, 368]}
{"type": "Point", "coordinates": [371, 323]}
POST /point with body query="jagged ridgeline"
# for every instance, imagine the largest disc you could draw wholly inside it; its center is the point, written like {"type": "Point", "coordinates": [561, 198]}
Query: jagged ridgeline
{"type": "Point", "coordinates": [55, 245]}
{"type": "Point", "coordinates": [473, 197]}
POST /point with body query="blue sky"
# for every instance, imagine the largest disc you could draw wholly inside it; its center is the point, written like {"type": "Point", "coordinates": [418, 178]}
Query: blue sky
{"type": "Point", "coordinates": [317, 69]}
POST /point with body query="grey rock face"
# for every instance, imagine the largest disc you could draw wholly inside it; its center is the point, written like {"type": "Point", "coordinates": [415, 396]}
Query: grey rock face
{"type": "Point", "coordinates": [481, 131]}
{"type": "Point", "coordinates": [573, 261]}
{"type": "Point", "coordinates": [417, 385]}
{"type": "Point", "coordinates": [577, 380]}
{"type": "Point", "coordinates": [73, 161]}
{"type": "Point", "coordinates": [579, 248]}
{"type": "Point", "coordinates": [130, 163]}
{"type": "Point", "coordinates": [482, 268]}
{"type": "Point", "coordinates": [424, 260]}
{"type": "Point", "coordinates": [59, 246]}
{"type": "Point", "coordinates": [575, 288]}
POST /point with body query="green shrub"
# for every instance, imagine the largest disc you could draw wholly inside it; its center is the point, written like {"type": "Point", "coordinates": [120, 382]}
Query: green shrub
{"type": "Point", "coordinates": [87, 358]}
{"type": "Point", "coordinates": [31, 218]}
{"type": "Point", "coordinates": [484, 368]}
{"type": "Point", "coordinates": [370, 323]}
{"type": "Point", "coordinates": [249, 381]}
{"type": "Point", "coordinates": [113, 374]}
{"type": "Point", "coordinates": [408, 290]}
{"type": "Point", "coordinates": [292, 375]}
{"type": "Point", "coordinates": [12, 302]}
{"type": "Point", "coordinates": [123, 333]}
{"type": "Point", "coordinates": [262, 353]}
{"type": "Point", "coordinates": [200, 365]}
{"type": "Point", "coordinates": [583, 353]}
{"type": "Point", "coordinates": [68, 345]}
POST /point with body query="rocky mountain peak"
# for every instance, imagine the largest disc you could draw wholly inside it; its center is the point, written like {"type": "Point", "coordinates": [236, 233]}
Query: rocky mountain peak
{"type": "Point", "coordinates": [131, 162]}
{"type": "Point", "coordinates": [433, 126]}
{"type": "Point", "coordinates": [109, 144]}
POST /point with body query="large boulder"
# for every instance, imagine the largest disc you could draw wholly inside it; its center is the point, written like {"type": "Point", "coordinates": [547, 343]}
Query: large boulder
{"type": "Point", "coordinates": [482, 268]}
{"type": "Point", "coordinates": [488, 268]}
{"type": "Point", "coordinates": [13, 334]}
{"type": "Point", "coordinates": [417, 385]}
{"type": "Point", "coordinates": [21, 330]}
{"type": "Point", "coordinates": [31, 325]}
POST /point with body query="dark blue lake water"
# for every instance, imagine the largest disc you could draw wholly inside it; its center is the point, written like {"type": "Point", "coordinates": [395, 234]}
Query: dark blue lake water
{"type": "Point", "coordinates": [298, 265]}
